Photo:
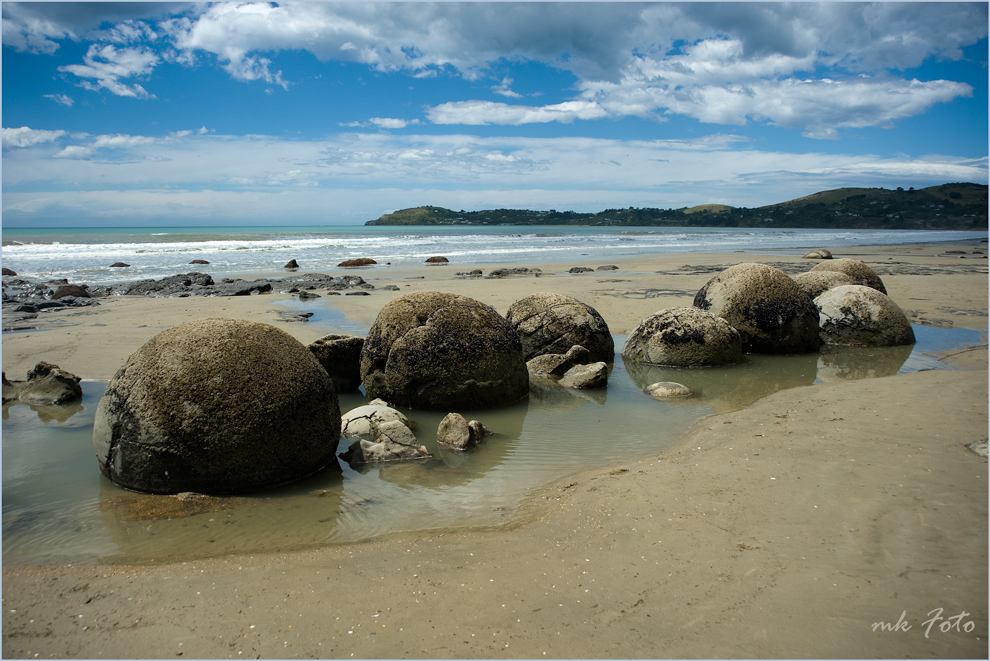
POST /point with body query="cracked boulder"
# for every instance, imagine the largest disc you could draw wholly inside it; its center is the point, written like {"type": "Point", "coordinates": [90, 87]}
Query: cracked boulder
{"type": "Point", "coordinates": [553, 323]}
{"type": "Point", "coordinates": [434, 350]}
{"type": "Point", "coordinates": [771, 312]}
{"type": "Point", "coordinates": [217, 406]}
{"type": "Point", "coordinates": [856, 269]}
{"type": "Point", "coordinates": [364, 421]}
{"type": "Point", "coordinates": [857, 315]}
{"type": "Point", "coordinates": [684, 337]}
{"type": "Point", "coordinates": [394, 441]}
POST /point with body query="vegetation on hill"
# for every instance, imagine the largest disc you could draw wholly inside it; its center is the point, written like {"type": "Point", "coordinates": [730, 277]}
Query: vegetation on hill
{"type": "Point", "coordinates": [949, 206]}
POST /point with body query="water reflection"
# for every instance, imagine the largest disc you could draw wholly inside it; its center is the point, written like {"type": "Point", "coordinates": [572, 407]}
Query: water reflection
{"type": "Point", "coordinates": [850, 363]}
{"type": "Point", "coordinates": [58, 508]}
{"type": "Point", "coordinates": [48, 414]}
{"type": "Point", "coordinates": [733, 387]}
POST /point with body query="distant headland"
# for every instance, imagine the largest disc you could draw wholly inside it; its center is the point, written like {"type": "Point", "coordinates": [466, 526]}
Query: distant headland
{"type": "Point", "coordinates": [958, 206]}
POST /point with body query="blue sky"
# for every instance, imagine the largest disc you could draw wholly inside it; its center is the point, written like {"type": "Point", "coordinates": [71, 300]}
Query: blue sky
{"type": "Point", "coordinates": [128, 114]}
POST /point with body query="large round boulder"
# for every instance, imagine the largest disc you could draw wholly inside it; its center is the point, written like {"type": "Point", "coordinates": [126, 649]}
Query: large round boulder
{"type": "Point", "coordinates": [815, 283]}
{"type": "Point", "coordinates": [553, 323]}
{"type": "Point", "coordinates": [434, 350]}
{"type": "Point", "coordinates": [856, 269]}
{"type": "Point", "coordinates": [858, 315]}
{"type": "Point", "coordinates": [684, 337]}
{"type": "Point", "coordinates": [217, 406]}
{"type": "Point", "coordinates": [770, 311]}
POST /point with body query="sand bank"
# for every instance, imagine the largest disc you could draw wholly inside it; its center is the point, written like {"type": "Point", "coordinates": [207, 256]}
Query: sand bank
{"type": "Point", "coordinates": [787, 529]}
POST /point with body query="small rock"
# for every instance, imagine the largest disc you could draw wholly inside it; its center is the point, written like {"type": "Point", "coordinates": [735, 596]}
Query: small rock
{"type": "Point", "coordinates": [7, 271]}
{"type": "Point", "coordinates": [361, 261]}
{"type": "Point", "coordinates": [594, 375]}
{"type": "Point", "coordinates": [46, 385]}
{"type": "Point", "coordinates": [667, 390]}
{"type": "Point", "coordinates": [120, 265]}
{"type": "Point", "coordinates": [199, 261]}
{"type": "Point", "coordinates": [608, 267]}
{"type": "Point", "coordinates": [291, 265]}
{"type": "Point", "coordinates": [580, 269]}
{"type": "Point", "coordinates": [437, 260]}
{"type": "Point", "coordinates": [979, 448]}
{"type": "Point", "coordinates": [456, 433]}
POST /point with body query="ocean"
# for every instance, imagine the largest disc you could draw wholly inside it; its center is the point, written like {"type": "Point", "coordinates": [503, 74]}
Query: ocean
{"type": "Point", "coordinates": [84, 255]}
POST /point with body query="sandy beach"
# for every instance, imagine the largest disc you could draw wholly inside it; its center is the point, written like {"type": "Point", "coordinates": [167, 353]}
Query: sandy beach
{"type": "Point", "coordinates": [844, 519]}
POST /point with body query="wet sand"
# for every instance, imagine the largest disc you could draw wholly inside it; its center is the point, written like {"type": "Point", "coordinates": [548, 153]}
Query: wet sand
{"type": "Point", "coordinates": [786, 529]}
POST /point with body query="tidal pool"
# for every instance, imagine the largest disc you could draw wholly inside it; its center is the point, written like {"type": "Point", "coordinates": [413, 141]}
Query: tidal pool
{"type": "Point", "coordinates": [57, 508]}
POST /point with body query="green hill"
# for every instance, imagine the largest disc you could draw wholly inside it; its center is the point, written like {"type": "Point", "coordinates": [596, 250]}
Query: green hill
{"type": "Point", "coordinates": [948, 206]}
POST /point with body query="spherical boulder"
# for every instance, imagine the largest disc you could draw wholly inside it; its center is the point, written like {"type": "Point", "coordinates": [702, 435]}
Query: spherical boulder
{"type": "Point", "coordinates": [856, 269]}
{"type": "Point", "coordinates": [684, 337]}
{"type": "Point", "coordinates": [766, 306]}
{"type": "Point", "coordinates": [433, 350]}
{"type": "Point", "coordinates": [814, 283]}
{"type": "Point", "coordinates": [858, 315]}
{"type": "Point", "coordinates": [217, 406]}
{"type": "Point", "coordinates": [818, 253]}
{"type": "Point", "coordinates": [553, 323]}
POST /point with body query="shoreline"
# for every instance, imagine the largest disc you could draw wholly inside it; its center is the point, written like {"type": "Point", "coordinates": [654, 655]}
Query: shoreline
{"type": "Point", "coordinates": [737, 543]}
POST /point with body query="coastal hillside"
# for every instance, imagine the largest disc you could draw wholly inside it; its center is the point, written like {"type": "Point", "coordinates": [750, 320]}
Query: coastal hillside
{"type": "Point", "coordinates": [949, 206]}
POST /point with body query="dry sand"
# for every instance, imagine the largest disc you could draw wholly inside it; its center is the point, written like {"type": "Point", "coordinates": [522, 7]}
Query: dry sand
{"type": "Point", "coordinates": [787, 529]}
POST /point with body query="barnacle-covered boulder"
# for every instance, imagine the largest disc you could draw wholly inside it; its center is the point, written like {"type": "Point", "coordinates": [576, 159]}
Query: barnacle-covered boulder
{"type": "Point", "coordinates": [217, 406]}
{"type": "Point", "coordinates": [553, 323]}
{"type": "Point", "coordinates": [684, 337]}
{"type": "Point", "coordinates": [433, 350]}
{"type": "Point", "coordinates": [770, 311]}
{"type": "Point", "coordinates": [857, 315]}
{"type": "Point", "coordinates": [856, 269]}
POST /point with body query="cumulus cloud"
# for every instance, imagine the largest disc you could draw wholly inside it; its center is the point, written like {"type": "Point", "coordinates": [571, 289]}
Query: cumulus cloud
{"type": "Point", "coordinates": [726, 63]}
{"type": "Point", "coordinates": [24, 136]}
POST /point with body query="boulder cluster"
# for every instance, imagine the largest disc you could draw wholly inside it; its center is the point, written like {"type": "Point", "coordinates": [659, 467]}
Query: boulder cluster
{"type": "Point", "coordinates": [224, 406]}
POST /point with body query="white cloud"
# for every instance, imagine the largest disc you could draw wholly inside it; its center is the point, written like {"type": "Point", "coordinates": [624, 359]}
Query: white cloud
{"type": "Point", "coordinates": [24, 136]}
{"type": "Point", "coordinates": [229, 177]}
{"type": "Point", "coordinates": [108, 64]}
{"type": "Point", "coordinates": [390, 123]}
{"type": "Point", "coordinates": [60, 99]}
{"type": "Point", "coordinates": [505, 89]}
{"type": "Point", "coordinates": [488, 112]}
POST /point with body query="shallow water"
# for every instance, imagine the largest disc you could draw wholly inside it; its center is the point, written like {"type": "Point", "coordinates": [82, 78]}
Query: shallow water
{"type": "Point", "coordinates": [57, 508]}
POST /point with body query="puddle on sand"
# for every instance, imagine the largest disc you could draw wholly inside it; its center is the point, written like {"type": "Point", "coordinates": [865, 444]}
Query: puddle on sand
{"type": "Point", "coordinates": [57, 508]}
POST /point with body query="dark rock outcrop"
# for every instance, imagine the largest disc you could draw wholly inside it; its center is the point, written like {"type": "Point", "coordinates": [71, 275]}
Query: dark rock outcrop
{"type": "Point", "coordinates": [437, 260]}
{"type": "Point", "coordinates": [217, 406]}
{"type": "Point", "coordinates": [361, 261]}
{"type": "Point", "coordinates": [770, 311]}
{"type": "Point", "coordinates": [76, 291]}
{"type": "Point", "coordinates": [435, 350]}
{"type": "Point", "coordinates": [553, 323]}
{"type": "Point", "coordinates": [292, 264]}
